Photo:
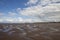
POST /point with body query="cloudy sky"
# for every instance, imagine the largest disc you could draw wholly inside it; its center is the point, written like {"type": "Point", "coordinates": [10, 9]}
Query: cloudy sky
{"type": "Point", "coordinates": [20, 11]}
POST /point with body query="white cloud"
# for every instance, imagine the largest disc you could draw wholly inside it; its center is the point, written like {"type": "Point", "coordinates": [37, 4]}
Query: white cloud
{"type": "Point", "coordinates": [45, 13]}
{"type": "Point", "coordinates": [1, 14]}
{"type": "Point", "coordinates": [32, 2]}
{"type": "Point", "coordinates": [16, 20]}
{"type": "Point", "coordinates": [9, 20]}
{"type": "Point", "coordinates": [27, 20]}
{"type": "Point", "coordinates": [41, 2]}
{"type": "Point", "coordinates": [1, 20]}
{"type": "Point", "coordinates": [40, 10]}
{"type": "Point", "coordinates": [32, 11]}
{"type": "Point", "coordinates": [56, 0]}
{"type": "Point", "coordinates": [11, 14]}
{"type": "Point", "coordinates": [52, 8]}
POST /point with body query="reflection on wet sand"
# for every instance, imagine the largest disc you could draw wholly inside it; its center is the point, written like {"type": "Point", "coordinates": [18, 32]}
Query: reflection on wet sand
{"type": "Point", "coordinates": [30, 31]}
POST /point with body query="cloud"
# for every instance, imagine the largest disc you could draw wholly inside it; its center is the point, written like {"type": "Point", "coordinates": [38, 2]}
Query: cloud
{"type": "Point", "coordinates": [32, 2]}
{"type": "Point", "coordinates": [42, 9]}
{"type": "Point", "coordinates": [12, 14]}
{"type": "Point", "coordinates": [39, 10]}
{"type": "Point", "coordinates": [41, 2]}
{"type": "Point", "coordinates": [55, 0]}
{"type": "Point", "coordinates": [1, 14]}
{"type": "Point", "coordinates": [1, 20]}
{"type": "Point", "coordinates": [16, 20]}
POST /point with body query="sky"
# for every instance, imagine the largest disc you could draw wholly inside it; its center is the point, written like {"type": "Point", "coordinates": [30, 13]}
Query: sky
{"type": "Point", "coordinates": [22, 11]}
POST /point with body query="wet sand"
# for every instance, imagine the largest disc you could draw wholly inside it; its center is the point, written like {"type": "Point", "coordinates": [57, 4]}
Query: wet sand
{"type": "Point", "coordinates": [30, 31]}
